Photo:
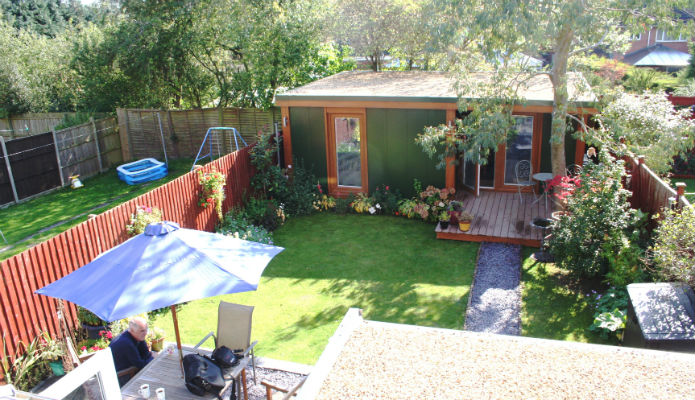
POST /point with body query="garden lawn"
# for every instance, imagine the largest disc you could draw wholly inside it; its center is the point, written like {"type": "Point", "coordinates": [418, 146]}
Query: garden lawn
{"type": "Point", "coordinates": [555, 306]}
{"type": "Point", "coordinates": [690, 188]}
{"type": "Point", "coordinates": [22, 220]}
{"type": "Point", "coordinates": [393, 268]}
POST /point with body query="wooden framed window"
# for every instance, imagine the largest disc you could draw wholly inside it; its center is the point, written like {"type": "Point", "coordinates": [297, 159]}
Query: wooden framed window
{"type": "Point", "coordinates": [346, 149]}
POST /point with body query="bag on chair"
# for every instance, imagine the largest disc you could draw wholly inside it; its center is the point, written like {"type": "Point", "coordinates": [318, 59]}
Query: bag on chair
{"type": "Point", "coordinates": [225, 358]}
{"type": "Point", "coordinates": [202, 375]}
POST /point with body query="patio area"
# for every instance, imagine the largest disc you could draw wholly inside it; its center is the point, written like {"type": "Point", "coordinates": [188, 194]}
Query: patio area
{"type": "Point", "coordinates": [500, 217]}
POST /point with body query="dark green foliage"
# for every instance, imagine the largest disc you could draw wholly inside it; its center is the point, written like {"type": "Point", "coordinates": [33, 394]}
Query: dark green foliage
{"type": "Point", "coordinates": [342, 206]}
{"type": "Point", "coordinates": [262, 212]}
{"type": "Point", "coordinates": [611, 312]}
{"type": "Point", "coordinates": [69, 120]}
{"type": "Point", "coordinates": [690, 72]}
{"type": "Point", "coordinates": [388, 198]}
{"type": "Point", "coordinates": [237, 223]}
{"type": "Point", "coordinates": [297, 194]}
{"type": "Point", "coordinates": [673, 251]}
{"type": "Point", "coordinates": [88, 318]}
{"type": "Point", "coordinates": [600, 236]}
{"type": "Point", "coordinates": [45, 17]}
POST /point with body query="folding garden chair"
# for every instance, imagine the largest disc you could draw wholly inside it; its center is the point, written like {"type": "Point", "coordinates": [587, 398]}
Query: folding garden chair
{"type": "Point", "coordinates": [234, 330]}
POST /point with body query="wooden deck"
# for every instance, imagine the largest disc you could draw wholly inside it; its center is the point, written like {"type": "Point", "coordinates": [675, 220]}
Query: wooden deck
{"type": "Point", "coordinates": [500, 217]}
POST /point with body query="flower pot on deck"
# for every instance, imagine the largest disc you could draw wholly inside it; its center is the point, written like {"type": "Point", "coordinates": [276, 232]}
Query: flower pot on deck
{"type": "Point", "coordinates": [157, 344]}
{"type": "Point", "coordinates": [444, 225]}
{"type": "Point", "coordinates": [464, 226]}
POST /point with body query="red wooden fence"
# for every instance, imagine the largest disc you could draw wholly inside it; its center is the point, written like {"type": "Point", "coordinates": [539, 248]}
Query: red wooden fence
{"type": "Point", "coordinates": [24, 314]}
{"type": "Point", "coordinates": [649, 193]}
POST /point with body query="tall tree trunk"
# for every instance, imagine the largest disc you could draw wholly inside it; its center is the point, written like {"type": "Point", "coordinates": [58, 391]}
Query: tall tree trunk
{"type": "Point", "coordinates": [560, 101]}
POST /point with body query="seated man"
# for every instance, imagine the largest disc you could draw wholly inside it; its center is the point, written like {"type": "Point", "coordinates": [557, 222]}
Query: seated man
{"type": "Point", "coordinates": [129, 349]}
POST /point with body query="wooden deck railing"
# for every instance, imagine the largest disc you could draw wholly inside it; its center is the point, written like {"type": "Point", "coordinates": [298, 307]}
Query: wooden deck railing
{"type": "Point", "coordinates": [24, 314]}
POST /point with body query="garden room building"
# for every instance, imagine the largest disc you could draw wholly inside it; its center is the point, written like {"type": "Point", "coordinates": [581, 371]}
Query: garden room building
{"type": "Point", "coordinates": [356, 130]}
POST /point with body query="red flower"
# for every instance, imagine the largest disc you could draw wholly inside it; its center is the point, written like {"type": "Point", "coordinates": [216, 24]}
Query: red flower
{"type": "Point", "coordinates": [319, 187]}
{"type": "Point", "coordinates": [83, 348]}
{"type": "Point", "coordinates": [210, 200]}
{"type": "Point", "coordinates": [387, 188]}
{"type": "Point", "coordinates": [397, 213]}
{"type": "Point", "coordinates": [109, 335]}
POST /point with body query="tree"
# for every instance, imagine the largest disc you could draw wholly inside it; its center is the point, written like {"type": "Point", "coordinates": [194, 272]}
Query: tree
{"type": "Point", "coordinates": [487, 35]}
{"type": "Point", "coordinates": [648, 124]}
{"type": "Point", "coordinates": [370, 27]}
{"type": "Point", "coordinates": [44, 17]}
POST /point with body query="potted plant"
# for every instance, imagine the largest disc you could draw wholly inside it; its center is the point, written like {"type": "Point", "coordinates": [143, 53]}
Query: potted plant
{"type": "Point", "coordinates": [90, 322]}
{"type": "Point", "coordinates": [465, 220]}
{"type": "Point", "coordinates": [444, 220]}
{"type": "Point", "coordinates": [156, 339]}
{"type": "Point", "coordinates": [53, 352]}
{"type": "Point", "coordinates": [89, 346]}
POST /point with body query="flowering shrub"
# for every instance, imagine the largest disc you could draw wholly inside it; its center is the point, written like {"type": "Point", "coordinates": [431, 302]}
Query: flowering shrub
{"type": "Point", "coordinates": [91, 345]}
{"type": "Point", "coordinates": [143, 216]}
{"type": "Point", "coordinates": [387, 198]}
{"type": "Point", "coordinates": [363, 203]}
{"type": "Point", "coordinates": [324, 203]}
{"type": "Point", "coordinates": [212, 183]}
{"type": "Point", "coordinates": [563, 186]}
{"type": "Point", "coordinates": [406, 208]}
{"type": "Point", "coordinates": [599, 224]}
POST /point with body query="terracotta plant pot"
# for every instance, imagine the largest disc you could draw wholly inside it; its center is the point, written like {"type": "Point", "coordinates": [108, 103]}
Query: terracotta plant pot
{"type": "Point", "coordinates": [464, 226]}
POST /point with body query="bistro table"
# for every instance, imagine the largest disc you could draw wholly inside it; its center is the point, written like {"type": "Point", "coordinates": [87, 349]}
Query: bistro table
{"type": "Point", "coordinates": [543, 178]}
{"type": "Point", "coordinates": [165, 372]}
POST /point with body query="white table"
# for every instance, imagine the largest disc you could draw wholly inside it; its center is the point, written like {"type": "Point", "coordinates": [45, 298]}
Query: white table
{"type": "Point", "coordinates": [165, 372]}
{"type": "Point", "coordinates": [543, 178]}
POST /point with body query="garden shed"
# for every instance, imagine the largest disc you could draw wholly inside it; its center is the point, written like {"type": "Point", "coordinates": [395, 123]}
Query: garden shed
{"type": "Point", "coordinates": [356, 130]}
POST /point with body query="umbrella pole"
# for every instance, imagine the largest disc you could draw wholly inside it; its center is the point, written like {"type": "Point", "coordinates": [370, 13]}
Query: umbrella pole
{"type": "Point", "coordinates": [178, 337]}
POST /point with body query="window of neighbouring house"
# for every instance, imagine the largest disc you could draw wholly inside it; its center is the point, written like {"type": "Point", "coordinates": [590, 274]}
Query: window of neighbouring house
{"type": "Point", "coordinates": [662, 36]}
{"type": "Point", "coordinates": [519, 148]}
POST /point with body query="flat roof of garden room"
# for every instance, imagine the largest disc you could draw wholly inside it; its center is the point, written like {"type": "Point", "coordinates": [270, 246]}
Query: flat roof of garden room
{"type": "Point", "coordinates": [369, 359]}
{"type": "Point", "coordinates": [422, 86]}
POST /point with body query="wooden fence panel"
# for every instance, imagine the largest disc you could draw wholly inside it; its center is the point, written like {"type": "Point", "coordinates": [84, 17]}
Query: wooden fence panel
{"type": "Point", "coordinates": [78, 148]}
{"type": "Point", "coordinates": [184, 130]}
{"type": "Point", "coordinates": [25, 314]}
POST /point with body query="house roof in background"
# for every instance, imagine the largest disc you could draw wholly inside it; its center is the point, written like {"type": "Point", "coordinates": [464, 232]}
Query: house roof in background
{"type": "Point", "coordinates": [369, 359]}
{"type": "Point", "coordinates": [420, 86]}
{"type": "Point", "coordinates": [657, 55]}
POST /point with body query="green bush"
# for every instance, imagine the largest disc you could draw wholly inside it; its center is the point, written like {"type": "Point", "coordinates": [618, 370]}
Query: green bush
{"type": "Point", "coordinates": [387, 198]}
{"type": "Point", "coordinates": [673, 251]}
{"type": "Point", "coordinates": [596, 239]}
{"type": "Point", "coordinates": [611, 312]}
{"type": "Point", "coordinates": [265, 213]}
{"type": "Point", "coordinates": [237, 224]}
{"type": "Point", "coordinates": [342, 206]}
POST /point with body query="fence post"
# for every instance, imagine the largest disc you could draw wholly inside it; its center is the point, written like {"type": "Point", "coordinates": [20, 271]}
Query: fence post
{"type": "Point", "coordinates": [60, 164]}
{"type": "Point", "coordinates": [680, 192]}
{"type": "Point", "coordinates": [637, 183]}
{"type": "Point", "coordinates": [126, 146]}
{"type": "Point", "coordinates": [9, 120]}
{"type": "Point", "coordinates": [96, 142]}
{"type": "Point", "coordinates": [9, 169]}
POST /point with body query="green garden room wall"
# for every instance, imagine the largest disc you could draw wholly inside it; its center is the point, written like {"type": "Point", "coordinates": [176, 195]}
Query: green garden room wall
{"type": "Point", "coordinates": [309, 140]}
{"type": "Point", "coordinates": [394, 157]}
{"type": "Point", "coordinates": [570, 146]}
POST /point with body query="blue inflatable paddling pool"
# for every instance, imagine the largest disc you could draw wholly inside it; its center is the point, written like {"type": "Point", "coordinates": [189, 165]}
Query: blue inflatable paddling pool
{"type": "Point", "coordinates": [145, 170]}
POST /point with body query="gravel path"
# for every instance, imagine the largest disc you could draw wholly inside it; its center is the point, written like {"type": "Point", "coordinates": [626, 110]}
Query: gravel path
{"type": "Point", "coordinates": [274, 376]}
{"type": "Point", "coordinates": [495, 303]}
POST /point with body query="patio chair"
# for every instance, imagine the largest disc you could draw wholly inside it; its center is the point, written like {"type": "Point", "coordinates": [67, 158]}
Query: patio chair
{"type": "Point", "coordinates": [573, 170]}
{"type": "Point", "coordinates": [234, 330]}
{"type": "Point", "coordinates": [524, 177]}
{"type": "Point", "coordinates": [281, 392]}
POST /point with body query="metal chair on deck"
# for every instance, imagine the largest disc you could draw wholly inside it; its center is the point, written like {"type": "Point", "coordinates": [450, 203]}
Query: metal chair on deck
{"type": "Point", "coordinates": [524, 177]}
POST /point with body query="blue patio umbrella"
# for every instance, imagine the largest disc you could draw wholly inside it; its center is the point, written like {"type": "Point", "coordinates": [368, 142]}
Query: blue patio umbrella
{"type": "Point", "coordinates": [164, 266]}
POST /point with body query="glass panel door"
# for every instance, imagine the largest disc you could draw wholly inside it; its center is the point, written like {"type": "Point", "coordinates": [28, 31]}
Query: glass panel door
{"type": "Point", "coordinates": [348, 157]}
{"type": "Point", "coordinates": [469, 174]}
{"type": "Point", "coordinates": [487, 172]}
{"type": "Point", "coordinates": [519, 148]}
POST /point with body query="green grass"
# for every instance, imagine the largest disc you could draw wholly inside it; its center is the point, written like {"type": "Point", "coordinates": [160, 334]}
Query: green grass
{"type": "Point", "coordinates": [392, 268]}
{"type": "Point", "coordinates": [25, 219]}
{"type": "Point", "coordinates": [555, 306]}
{"type": "Point", "coordinates": [689, 188]}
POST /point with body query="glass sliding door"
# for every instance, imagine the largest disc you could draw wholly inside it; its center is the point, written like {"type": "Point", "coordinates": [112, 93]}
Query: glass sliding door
{"type": "Point", "coordinates": [519, 149]}
{"type": "Point", "coordinates": [347, 151]}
